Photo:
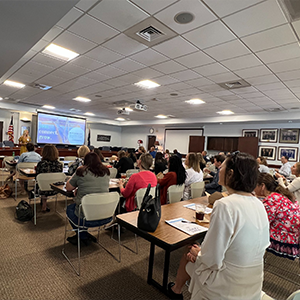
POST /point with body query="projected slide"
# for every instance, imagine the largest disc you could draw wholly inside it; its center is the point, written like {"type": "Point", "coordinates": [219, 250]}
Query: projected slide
{"type": "Point", "coordinates": [54, 129]}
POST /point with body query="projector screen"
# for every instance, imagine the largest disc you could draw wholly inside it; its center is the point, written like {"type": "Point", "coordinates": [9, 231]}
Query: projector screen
{"type": "Point", "coordinates": [56, 129]}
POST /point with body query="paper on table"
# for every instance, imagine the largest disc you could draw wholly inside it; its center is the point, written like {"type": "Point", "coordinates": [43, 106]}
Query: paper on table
{"type": "Point", "coordinates": [186, 226]}
{"type": "Point", "coordinates": [192, 206]}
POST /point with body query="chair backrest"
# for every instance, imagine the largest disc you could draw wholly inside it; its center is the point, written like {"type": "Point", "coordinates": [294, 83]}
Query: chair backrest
{"type": "Point", "coordinates": [69, 158]}
{"type": "Point", "coordinates": [99, 206]}
{"type": "Point", "coordinates": [69, 163]}
{"type": "Point", "coordinates": [175, 193]}
{"type": "Point", "coordinates": [294, 296]}
{"type": "Point", "coordinates": [8, 144]}
{"type": "Point", "coordinates": [26, 165]}
{"type": "Point", "coordinates": [45, 179]}
{"type": "Point", "coordinates": [106, 163]}
{"type": "Point", "coordinates": [131, 171]}
{"type": "Point", "coordinates": [113, 172]}
{"type": "Point", "coordinates": [5, 159]}
{"type": "Point", "coordinates": [197, 189]}
{"type": "Point", "coordinates": [139, 195]}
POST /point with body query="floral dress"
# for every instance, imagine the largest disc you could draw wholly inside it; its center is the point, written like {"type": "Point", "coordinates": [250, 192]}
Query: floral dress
{"type": "Point", "coordinates": [284, 218]}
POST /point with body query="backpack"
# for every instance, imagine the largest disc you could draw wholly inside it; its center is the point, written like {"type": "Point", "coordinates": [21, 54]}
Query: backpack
{"type": "Point", "coordinates": [24, 211]}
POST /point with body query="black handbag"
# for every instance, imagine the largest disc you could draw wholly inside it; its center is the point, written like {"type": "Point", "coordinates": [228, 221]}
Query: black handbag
{"type": "Point", "coordinates": [24, 211]}
{"type": "Point", "coordinates": [150, 212]}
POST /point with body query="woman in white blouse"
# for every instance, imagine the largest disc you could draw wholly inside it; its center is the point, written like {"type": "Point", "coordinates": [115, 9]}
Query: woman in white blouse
{"type": "Point", "coordinates": [294, 186]}
{"type": "Point", "coordinates": [193, 173]}
{"type": "Point", "coordinates": [263, 165]}
{"type": "Point", "coordinates": [229, 263]}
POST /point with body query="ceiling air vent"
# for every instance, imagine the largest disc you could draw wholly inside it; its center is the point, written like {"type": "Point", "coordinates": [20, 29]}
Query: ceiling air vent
{"type": "Point", "coordinates": [234, 84]}
{"type": "Point", "coordinates": [291, 9]}
{"type": "Point", "coordinates": [150, 33]}
{"type": "Point", "coordinates": [276, 109]}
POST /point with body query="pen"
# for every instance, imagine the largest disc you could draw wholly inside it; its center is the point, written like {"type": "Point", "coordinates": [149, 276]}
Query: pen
{"type": "Point", "coordinates": [184, 221]}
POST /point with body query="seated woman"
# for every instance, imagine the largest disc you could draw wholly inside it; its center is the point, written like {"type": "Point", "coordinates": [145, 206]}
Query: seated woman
{"type": "Point", "coordinates": [202, 161]}
{"type": "Point", "coordinates": [263, 165]}
{"type": "Point", "coordinates": [140, 151]}
{"type": "Point", "coordinates": [138, 181]}
{"type": "Point", "coordinates": [81, 152]}
{"type": "Point", "coordinates": [284, 216]}
{"type": "Point", "coordinates": [92, 177]}
{"type": "Point", "coordinates": [229, 263]}
{"type": "Point", "coordinates": [193, 172]}
{"type": "Point", "coordinates": [124, 163]}
{"type": "Point", "coordinates": [175, 176]}
{"type": "Point", "coordinates": [294, 186]}
{"type": "Point", "coordinates": [99, 153]}
{"type": "Point", "coordinates": [160, 164]}
{"type": "Point", "coordinates": [48, 164]}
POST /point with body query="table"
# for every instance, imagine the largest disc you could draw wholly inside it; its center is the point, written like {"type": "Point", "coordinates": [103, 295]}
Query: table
{"type": "Point", "coordinates": [165, 236]}
{"type": "Point", "coordinates": [28, 172]}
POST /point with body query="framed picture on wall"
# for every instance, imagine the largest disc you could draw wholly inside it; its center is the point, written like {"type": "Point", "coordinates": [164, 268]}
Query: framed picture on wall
{"type": "Point", "coordinates": [268, 135]}
{"type": "Point", "coordinates": [289, 136]}
{"type": "Point", "coordinates": [290, 152]}
{"type": "Point", "coordinates": [267, 152]}
{"type": "Point", "coordinates": [250, 132]}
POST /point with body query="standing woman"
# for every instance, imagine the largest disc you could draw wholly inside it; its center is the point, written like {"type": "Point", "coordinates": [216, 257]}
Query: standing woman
{"type": "Point", "coordinates": [92, 177]}
{"type": "Point", "coordinates": [229, 263]}
{"type": "Point", "coordinates": [23, 141]}
{"type": "Point", "coordinates": [48, 164]}
{"type": "Point", "coordinates": [294, 186]}
{"type": "Point", "coordinates": [175, 176]}
{"type": "Point", "coordinates": [284, 216]}
{"type": "Point", "coordinates": [193, 173]}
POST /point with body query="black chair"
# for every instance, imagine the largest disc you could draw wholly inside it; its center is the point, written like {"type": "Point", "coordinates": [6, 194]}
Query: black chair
{"type": "Point", "coordinates": [8, 144]}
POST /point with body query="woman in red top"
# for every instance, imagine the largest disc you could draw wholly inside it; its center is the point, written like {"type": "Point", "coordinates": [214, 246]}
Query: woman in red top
{"type": "Point", "coordinates": [138, 181]}
{"type": "Point", "coordinates": [176, 175]}
{"type": "Point", "coordinates": [284, 216]}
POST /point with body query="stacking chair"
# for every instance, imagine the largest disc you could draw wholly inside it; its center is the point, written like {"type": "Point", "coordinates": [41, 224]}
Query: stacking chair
{"type": "Point", "coordinates": [98, 206]}
{"type": "Point", "coordinates": [131, 171]}
{"type": "Point", "coordinates": [70, 158]}
{"type": "Point", "coordinates": [139, 195]}
{"type": "Point", "coordinates": [6, 167]}
{"type": "Point", "coordinates": [175, 193]}
{"type": "Point", "coordinates": [19, 176]}
{"type": "Point", "coordinates": [197, 189]}
{"type": "Point", "coordinates": [113, 172]}
{"type": "Point", "coordinates": [44, 180]}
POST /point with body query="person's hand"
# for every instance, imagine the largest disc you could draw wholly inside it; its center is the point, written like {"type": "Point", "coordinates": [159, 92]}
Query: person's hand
{"type": "Point", "coordinates": [121, 185]}
{"type": "Point", "coordinates": [160, 175]}
{"type": "Point", "coordinates": [277, 175]}
{"type": "Point", "coordinates": [206, 170]}
{"type": "Point", "coordinates": [75, 192]}
{"type": "Point", "coordinates": [193, 253]}
{"type": "Point", "coordinates": [277, 170]}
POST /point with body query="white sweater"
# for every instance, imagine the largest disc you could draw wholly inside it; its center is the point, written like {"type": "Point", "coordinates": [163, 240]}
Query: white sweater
{"type": "Point", "coordinates": [293, 187]}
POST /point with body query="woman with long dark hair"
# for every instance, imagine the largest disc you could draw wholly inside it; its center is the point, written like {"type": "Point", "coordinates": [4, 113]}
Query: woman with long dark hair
{"type": "Point", "coordinates": [160, 164]}
{"type": "Point", "coordinates": [229, 263]}
{"type": "Point", "coordinates": [175, 176]}
{"type": "Point", "coordinates": [284, 216]}
{"type": "Point", "coordinates": [92, 177]}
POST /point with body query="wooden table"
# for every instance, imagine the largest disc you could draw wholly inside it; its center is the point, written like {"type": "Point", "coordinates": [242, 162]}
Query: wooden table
{"type": "Point", "coordinates": [165, 236]}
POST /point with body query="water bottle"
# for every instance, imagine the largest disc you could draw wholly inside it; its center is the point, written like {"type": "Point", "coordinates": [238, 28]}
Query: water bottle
{"type": "Point", "coordinates": [13, 154]}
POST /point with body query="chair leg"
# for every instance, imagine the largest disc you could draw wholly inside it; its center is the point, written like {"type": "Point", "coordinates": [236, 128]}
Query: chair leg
{"type": "Point", "coordinates": [34, 205]}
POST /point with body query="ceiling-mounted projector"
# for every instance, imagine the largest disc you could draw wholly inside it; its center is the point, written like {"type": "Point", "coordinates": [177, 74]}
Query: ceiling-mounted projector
{"type": "Point", "coordinates": [140, 106]}
{"type": "Point", "coordinates": [123, 111]}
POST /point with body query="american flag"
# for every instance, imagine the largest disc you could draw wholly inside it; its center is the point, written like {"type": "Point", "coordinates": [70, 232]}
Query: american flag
{"type": "Point", "coordinates": [10, 131]}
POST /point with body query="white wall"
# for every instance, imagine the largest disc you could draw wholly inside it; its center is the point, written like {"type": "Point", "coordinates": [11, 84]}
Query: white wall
{"type": "Point", "coordinates": [113, 131]}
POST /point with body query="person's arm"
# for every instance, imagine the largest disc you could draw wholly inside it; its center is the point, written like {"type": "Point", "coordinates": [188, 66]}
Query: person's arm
{"type": "Point", "coordinates": [294, 185]}
{"type": "Point", "coordinates": [285, 170]}
{"type": "Point", "coordinates": [72, 183]}
{"type": "Point", "coordinates": [271, 208]}
{"type": "Point", "coordinates": [126, 192]}
{"type": "Point", "coordinates": [165, 180]}
{"type": "Point", "coordinates": [21, 158]}
{"type": "Point", "coordinates": [214, 184]}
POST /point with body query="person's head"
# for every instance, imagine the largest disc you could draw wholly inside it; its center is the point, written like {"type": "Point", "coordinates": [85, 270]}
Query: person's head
{"type": "Point", "coordinates": [175, 165]}
{"type": "Point", "coordinates": [83, 151]}
{"type": "Point", "coordinates": [98, 152]}
{"type": "Point", "coordinates": [152, 149]}
{"type": "Point", "coordinates": [266, 184]}
{"type": "Point", "coordinates": [296, 169]}
{"type": "Point", "coordinates": [218, 160]}
{"type": "Point", "coordinates": [159, 157]}
{"type": "Point", "coordinates": [145, 161]}
{"type": "Point", "coordinates": [239, 172]}
{"type": "Point", "coordinates": [25, 132]}
{"type": "Point", "coordinates": [142, 149]}
{"type": "Point", "coordinates": [262, 160]}
{"type": "Point", "coordinates": [204, 153]}
{"type": "Point", "coordinates": [156, 143]}
{"type": "Point", "coordinates": [175, 151]}
{"type": "Point", "coordinates": [121, 154]}
{"type": "Point", "coordinates": [192, 161]}
{"type": "Point", "coordinates": [284, 159]}
{"type": "Point", "coordinates": [93, 164]}
{"type": "Point", "coordinates": [29, 147]}
{"type": "Point", "coordinates": [92, 148]}
{"type": "Point", "coordinates": [49, 152]}
{"type": "Point", "coordinates": [167, 151]}
{"type": "Point", "coordinates": [200, 158]}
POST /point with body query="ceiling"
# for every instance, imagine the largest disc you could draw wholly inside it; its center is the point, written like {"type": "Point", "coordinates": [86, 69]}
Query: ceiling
{"type": "Point", "coordinates": [227, 41]}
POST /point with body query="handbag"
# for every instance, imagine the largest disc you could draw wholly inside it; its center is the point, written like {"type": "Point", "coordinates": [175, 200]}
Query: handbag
{"type": "Point", "coordinates": [24, 211]}
{"type": "Point", "coordinates": [150, 212]}
{"type": "Point", "coordinates": [5, 191]}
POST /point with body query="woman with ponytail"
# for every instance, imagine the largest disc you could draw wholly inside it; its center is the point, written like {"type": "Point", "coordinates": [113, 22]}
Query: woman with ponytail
{"type": "Point", "coordinates": [284, 216]}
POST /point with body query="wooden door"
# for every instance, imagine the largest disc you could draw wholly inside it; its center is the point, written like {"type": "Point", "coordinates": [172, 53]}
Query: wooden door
{"type": "Point", "coordinates": [151, 141]}
{"type": "Point", "coordinates": [196, 143]}
{"type": "Point", "coordinates": [248, 145]}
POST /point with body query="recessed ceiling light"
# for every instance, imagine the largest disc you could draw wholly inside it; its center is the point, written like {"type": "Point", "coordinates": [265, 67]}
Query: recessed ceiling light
{"type": "Point", "coordinates": [225, 112]}
{"type": "Point", "coordinates": [161, 116]}
{"type": "Point", "coordinates": [290, 121]}
{"type": "Point", "coordinates": [128, 109]}
{"type": "Point", "coordinates": [14, 84]}
{"type": "Point", "coordinates": [195, 101]}
{"type": "Point", "coordinates": [120, 119]}
{"type": "Point", "coordinates": [48, 107]}
{"type": "Point", "coordinates": [148, 84]}
{"type": "Point", "coordinates": [89, 114]}
{"type": "Point", "coordinates": [82, 99]}
{"type": "Point", "coordinates": [60, 52]}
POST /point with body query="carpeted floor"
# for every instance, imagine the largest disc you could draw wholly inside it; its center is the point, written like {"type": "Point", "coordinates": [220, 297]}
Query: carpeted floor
{"type": "Point", "coordinates": [32, 266]}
